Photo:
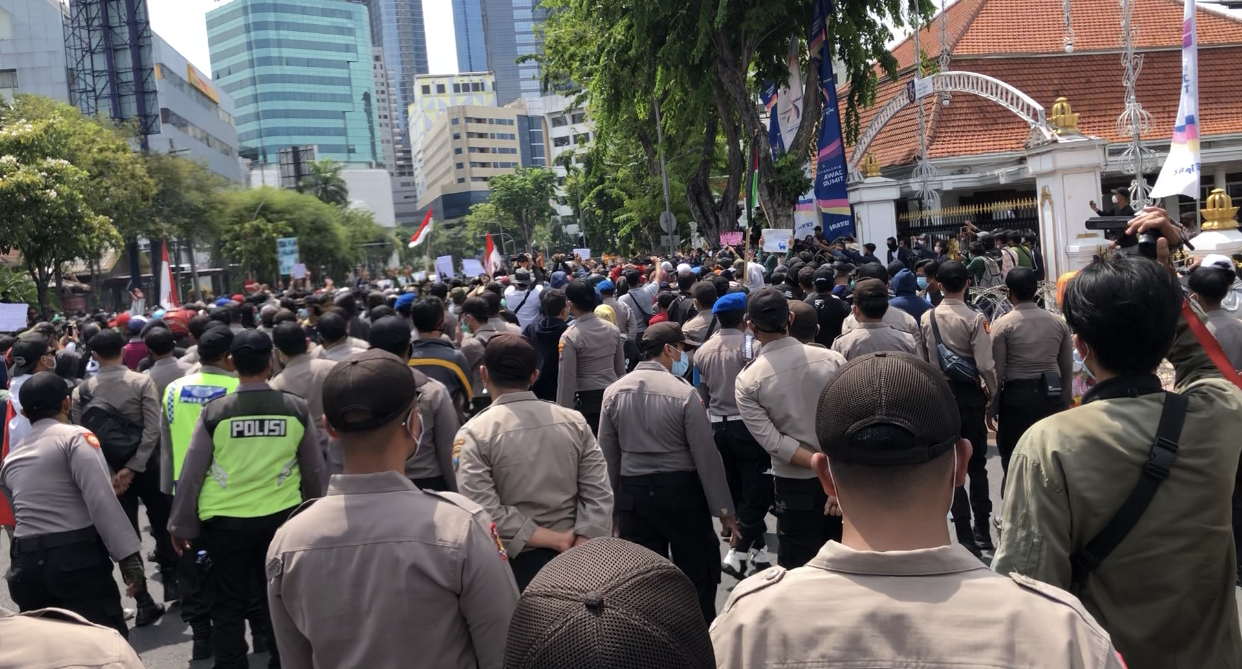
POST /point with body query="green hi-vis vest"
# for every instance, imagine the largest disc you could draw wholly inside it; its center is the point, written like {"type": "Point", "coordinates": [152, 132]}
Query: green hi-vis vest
{"type": "Point", "coordinates": [183, 402]}
{"type": "Point", "coordinates": [255, 469]}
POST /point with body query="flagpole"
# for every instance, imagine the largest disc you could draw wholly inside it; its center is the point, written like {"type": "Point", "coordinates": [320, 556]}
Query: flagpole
{"type": "Point", "coordinates": [750, 211]}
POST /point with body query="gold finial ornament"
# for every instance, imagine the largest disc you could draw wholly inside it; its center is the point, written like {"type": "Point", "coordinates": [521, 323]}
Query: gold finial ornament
{"type": "Point", "coordinates": [1063, 117]}
{"type": "Point", "coordinates": [1220, 212]}
{"type": "Point", "coordinates": [870, 166]}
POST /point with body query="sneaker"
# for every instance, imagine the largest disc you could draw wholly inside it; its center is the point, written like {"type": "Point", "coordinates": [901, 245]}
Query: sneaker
{"type": "Point", "coordinates": [734, 565]}
{"type": "Point", "coordinates": [760, 560]}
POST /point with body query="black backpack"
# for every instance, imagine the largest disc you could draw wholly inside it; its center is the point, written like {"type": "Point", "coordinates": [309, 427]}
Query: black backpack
{"type": "Point", "coordinates": [119, 437]}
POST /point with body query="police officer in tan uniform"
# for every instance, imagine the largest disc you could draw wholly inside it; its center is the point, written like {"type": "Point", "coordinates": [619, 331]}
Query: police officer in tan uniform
{"type": "Point", "coordinates": [70, 526]}
{"type": "Point", "coordinates": [455, 594]}
{"type": "Point", "coordinates": [964, 331]}
{"type": "Point", "coordinates": [592, 356]}
{"type": "Point", "coordinates": [1034, 356]}
{"type": "Point", "coordinates": [665, 470]}
{"type": "Point", "coordinates": [872, 335]}
{"type": "Point", "coordinates": [895, 455]}
{"type": "Point", "coordinates": [776, 396]}
{"type": "Point", "coordinates": [482, 317]}
{"type": "Point", "coordinates": [747, 466]}
{"type": "Point", "coordinates": [532, 465]}
{"type": "Point", "coordinates": [895, 318]}
{"type": "Point", "coordinates": [60, 638]}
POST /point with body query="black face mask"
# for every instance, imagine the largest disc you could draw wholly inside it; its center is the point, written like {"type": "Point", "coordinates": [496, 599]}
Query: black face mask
{"type": "Point", "coordinates": [892, 246]}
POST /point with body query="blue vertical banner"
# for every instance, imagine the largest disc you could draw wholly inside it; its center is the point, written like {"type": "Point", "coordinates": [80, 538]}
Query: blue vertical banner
{"type": "Point", "coordinates": [769, 97]}
{"type": "Point", "coordinates": [833, 199]}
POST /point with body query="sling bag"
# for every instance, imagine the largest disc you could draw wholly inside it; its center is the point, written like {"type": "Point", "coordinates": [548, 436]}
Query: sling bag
{"type": "Point", "coordinates": [956, 367]}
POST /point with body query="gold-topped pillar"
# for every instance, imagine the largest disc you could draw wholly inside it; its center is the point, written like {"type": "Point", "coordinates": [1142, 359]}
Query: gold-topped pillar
{"type": "Point", "coordinates": [1220, 227]}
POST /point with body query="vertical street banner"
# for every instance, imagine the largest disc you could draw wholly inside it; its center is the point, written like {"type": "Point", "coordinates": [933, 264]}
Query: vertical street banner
{"type": "Point", "coordinates": [286, 255]}
{"type": "Point", "coordinates": [830, 169]}
{"type": "Point", "coordinates": [769, 97]}
{"type": "Point", "coordinates": [789, 98]}
{"type": "Point", "coordinates": [1181, 171]}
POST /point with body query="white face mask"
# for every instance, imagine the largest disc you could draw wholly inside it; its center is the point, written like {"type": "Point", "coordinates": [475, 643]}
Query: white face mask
{"type": "Point", "coordinates": [1116, 200]}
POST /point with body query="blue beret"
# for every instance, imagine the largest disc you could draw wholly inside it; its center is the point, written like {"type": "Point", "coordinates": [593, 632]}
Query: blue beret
{"type": "Point", "coordinates": [605, 285]}
{"type": "Point", "coordinates": [222, 301]}
{"type": "Point", "coordinates": [405, 299]}
{"type": "Point", "coordinates": [697, 270]}
{"type": "Point", "coordinates": [730, 302]}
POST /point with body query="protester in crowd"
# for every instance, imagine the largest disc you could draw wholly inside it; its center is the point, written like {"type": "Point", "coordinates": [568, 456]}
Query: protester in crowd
{"type": "Point", "coordinates": [1209, 283]}
{"type": "Point", "coordinates": [546, 334]}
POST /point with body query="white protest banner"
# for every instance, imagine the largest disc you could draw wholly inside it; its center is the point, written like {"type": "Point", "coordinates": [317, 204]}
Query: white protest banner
{"type": "Point", "coordinates": [582, 254]}
{"type": "Point", "coordinates": [13, 317]}
{"type": "Point", "coordinates": [776, 240]}
{"type": "Point", "coordinates": [286, 254]}
{"type": "Point", "coordinates": [299, 270]}
{"type": "Point", "coordinates": [471, 268]}
{"type": "Point", "coordinates": [444, 267]}
{"type": "Point", "coordinates": [420, 276]}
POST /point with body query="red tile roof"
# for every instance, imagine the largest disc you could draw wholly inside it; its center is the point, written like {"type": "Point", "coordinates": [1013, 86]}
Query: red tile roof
{"type": "Point", "coordinates": [997, 38]}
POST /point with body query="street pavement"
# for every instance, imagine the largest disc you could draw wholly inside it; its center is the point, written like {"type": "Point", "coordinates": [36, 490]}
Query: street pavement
{"type": "Point", "coordinates": [166, 644]}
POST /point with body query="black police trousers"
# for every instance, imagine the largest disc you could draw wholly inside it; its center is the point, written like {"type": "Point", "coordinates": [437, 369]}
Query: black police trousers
{"type": "Point", "coordinates": [802, 528]}
{"type": "Point", "coordinates": [590, 403]}
{"type": "Point", "coordinates": [196, 598]}
{"type": "Point", "coordinates": [971, 407]}
{"type": "Point", "coordinates": [745, 462]}
{"type": "Point", "coordinates": [527, 564]}
{"type": "Point", "coordinates": [667, 513]}
{"type": "Point", "coordinates": [238, 550]}
{"type": "Point", "coordinates": [145, 486]}
{"type": "Point", "coordinates": [1023, 403]}
{"type": "Point", "coordinates": [67, 570]}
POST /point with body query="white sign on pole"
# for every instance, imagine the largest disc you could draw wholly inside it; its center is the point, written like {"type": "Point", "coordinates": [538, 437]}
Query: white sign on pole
{"type": "Point", "coordinates": [299, 270]}
{"type": "Point", "coordinates": [471, 268]}
{"type": "Point", "coordinates": [286, 254]}
{"type": "Point", "coordinates": [583, 254]}
{"type": "Point", "coordinates": [13, 317]}
{"type": "Point", "coordinates": [444, 267]}
{"type": "Point", "coordinates": [776, 240]}
{"type": "Point", "coordinates": [803, 225]}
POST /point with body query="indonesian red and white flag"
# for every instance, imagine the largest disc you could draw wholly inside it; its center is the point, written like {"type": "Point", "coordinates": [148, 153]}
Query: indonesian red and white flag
{"type": "Point", "coordinates": [168, 289]}
{"type": "Point", "coordinates": [492, 261]}
{"type": "Point", "coordinates": [424, 230]}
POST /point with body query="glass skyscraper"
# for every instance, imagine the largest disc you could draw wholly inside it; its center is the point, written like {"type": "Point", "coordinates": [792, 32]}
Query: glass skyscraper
{"type": "Point", "coordinates": [509, 32]}
{"type": "Point", "coordinates": [468, 29]}
{"type": "Point", "coordinates": [300, 73]}
{"type": "Point", "coordinates": [397, 28]}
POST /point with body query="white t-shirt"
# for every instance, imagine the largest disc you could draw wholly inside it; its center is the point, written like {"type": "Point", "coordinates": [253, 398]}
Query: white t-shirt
{"type": "Point", "coordinates": [755, 275]}
{"type": "Point", "coordinates": [19, 426]}
{"type": "Point", "coordinates": [529, 306]}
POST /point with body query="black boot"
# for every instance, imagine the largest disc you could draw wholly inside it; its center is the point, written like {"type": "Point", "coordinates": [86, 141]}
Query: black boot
{"type": "Point", "coordinates": [148, 610]}
{"type": "Point", "coordinates": [966, 537]}
{"type": "Point", "coordinates": [201, 649]}
{"type": "Point", "coordinates": [172, 589]}
{"type": "Point", "coordinates": [983, 534]}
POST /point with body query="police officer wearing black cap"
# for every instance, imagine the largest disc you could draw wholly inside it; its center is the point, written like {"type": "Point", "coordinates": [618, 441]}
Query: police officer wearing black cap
{"type": "Point", "coordinates": [776, 395]}
{"type": "Point", "coordinates": [831, 310]}
{"type": "Point", "coordinates": [70, 525]}
{"type": "Point", "coordinates": [666, 473]}
{"type": "Point", "coordinates": [254, 457]}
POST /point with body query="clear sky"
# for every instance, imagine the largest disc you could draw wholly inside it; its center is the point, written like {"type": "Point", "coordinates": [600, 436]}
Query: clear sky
{"type": "Point", "coordinates": [182, 24]}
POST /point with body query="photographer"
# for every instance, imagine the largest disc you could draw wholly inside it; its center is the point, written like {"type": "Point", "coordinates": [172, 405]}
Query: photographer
{"type": "Point", "coordinates": [1161, 584]}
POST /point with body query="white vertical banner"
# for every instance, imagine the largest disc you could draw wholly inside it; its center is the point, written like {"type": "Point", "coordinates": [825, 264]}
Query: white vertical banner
{"type": "Point", "coordinates": [789, 99]}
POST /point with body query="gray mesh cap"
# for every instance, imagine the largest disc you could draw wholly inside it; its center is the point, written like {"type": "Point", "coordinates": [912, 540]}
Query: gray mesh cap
{"type": "Point", "coordinates": [896, 389]}
{"type": "Point", "coordinates": [609, 604]}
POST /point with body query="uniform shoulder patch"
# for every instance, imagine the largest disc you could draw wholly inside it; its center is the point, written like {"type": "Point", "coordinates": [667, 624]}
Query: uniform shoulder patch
{"type": "Point", "coordinates": [91, 439]}
{"type": "Point", "coordinates": [500, 545]}
{"type": "Point", "coordinates": [1057, 595]}
{"type": "Point", "coordinates": [457, 444]}
{"type": "Point", "coordinates": [763, 580]}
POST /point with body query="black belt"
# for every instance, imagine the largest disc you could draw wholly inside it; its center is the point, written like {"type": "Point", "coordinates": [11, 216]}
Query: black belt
{"type": "Point", "coordinates": [42, 542]}
{"type": "Point", "coordinates": [662, 479]}
{"type": "Point", "coordinates": [1025, 384]}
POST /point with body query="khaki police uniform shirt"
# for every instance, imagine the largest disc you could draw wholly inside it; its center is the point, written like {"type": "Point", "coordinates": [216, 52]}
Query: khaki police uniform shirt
{"type": "Point", "coordinates": [591, 357]}
{"type": "Point", "coordinates": [894, 318]}
{"type": "Point", "coordinates": [778, 396]}
{"type": "Point", "coordinates": [303, 376]}
{"type": "Point", "coordinates": [1029, 341]}
{"type": "Point", "coordinates": [381, 574]}
{"type": "Point", "coordinates": [1227, 329]}
{"type": "Point", "coordinates": [626, 322]}
{"type": "Point", "coordinates": [965, 332]}
{"type": "Point", "coordinates": [932, 608]}
{"type": "Point", "coordinates": [695, 329]}
{"type": "Point", "coordinates": [654, 423]}
{"type": "Point", "coordinates": [474, 346]}
{"type": "Point", "coordinates": [60, 639]}
{"type": "Point", "coordinates": [1166, 594]}
{"type": "Point", "coordinates": [58, 481]}
{"type": "Point", "coordinates": [438, 417]}
{"type": "Point", "coordinates": [873, 338]}
{"type": "Point", "coordinates": [164, 371]}
{"type": "Point", "coordinates": [342, 349]}
{"type": "Point", "coordinates": [720, 360]}
{"type": "Point", "coordinates": [134, 396]}
{"type": "Point", "coordinates": [531, 464]}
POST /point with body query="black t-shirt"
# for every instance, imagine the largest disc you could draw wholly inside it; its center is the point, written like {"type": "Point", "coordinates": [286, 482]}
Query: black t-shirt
{"type": "Point", "coordinates": [832, 312]}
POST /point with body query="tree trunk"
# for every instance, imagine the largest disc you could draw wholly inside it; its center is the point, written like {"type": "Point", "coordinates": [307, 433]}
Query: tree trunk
{"type": "Point", "coordinates": [58, 274]}
{"type": "Point", "coordinates": [41, 280]}
{"type": "Point", "coordinates": [194, 285]}
{"type": "Point", "coordinates": [92, 266]}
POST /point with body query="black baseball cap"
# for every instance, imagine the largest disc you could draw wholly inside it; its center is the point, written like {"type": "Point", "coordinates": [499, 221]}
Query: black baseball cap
{"type": "Point", "coordinates": [609, 603]}
{"type": "Point", "coordinates": [392, 334]}
{"type": "Point", "coordinates": [250, 345]}
{"type": "Point", "coordinates": [869, 289]}
{"type": "Point", "coordinates": [824, 276]}
{"type": "Point", "coordinates": [367, 391]}
{"type": "Point", "coordinates": [662, 333]}
{"type": "Point", "coordinates": [42, 394]}
{"type": "Point", "coordinates": [214, 343]}
{"type": "Point", "coordinates": [510, 356]}
{"type": "Point", "coordinates": [768, 310]}
{"type": "Point", "coordinates": [872, 270]}
{"type": "Point", "coordinates": [895, 389]}
{"type": "Point", "coordinates": [26, 352]}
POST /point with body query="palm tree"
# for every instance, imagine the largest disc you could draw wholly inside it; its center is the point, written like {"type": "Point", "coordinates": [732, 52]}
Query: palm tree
{"type": "Point", "coordinates": [325, 182]}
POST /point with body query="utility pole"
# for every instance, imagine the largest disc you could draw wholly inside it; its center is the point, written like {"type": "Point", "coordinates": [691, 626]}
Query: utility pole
{"type": "Point", "coordinates": [668, 212]}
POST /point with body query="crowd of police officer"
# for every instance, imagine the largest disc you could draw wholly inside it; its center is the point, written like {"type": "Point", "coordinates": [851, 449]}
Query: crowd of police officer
{"type": "Point", "coordinates": [714, 421]}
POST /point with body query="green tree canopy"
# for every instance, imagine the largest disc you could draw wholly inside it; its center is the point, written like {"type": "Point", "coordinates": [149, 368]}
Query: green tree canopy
{"type": "Point", "coordinates": [326, 183]}
{"type": "Point", "coordinates": [524, 197]}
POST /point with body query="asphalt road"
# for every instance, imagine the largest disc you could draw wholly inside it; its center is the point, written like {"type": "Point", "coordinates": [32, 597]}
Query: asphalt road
{"type": "Point", "coordinates": [166, 644]}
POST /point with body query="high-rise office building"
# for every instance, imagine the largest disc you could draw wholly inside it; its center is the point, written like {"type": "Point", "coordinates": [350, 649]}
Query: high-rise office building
{"type": "Point", "coordinates": [468, 30]}
{"type": "Point", "coordinates": [196, 119]}
{"type": "Point", "coordinates": [466, 146]}
{"type": "Point", "coordinates": [300, 74]}
{"type": "Point", "coordinates": [433, 94]}
{"type": "Point", "coordinates": [386, 108]}
{"type": "Point", "coordinates": [509, 30]}
{"type": "Point", "coordinates": [32, 49]}
{"type": "Point", "coordinates": [397, 28]}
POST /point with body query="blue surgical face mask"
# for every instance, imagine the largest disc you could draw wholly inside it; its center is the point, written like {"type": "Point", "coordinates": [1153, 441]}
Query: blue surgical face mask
{"type": "Point", "coordinates": [681, 365]}
{"type": "Point", "coordinates": [922, 281]}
